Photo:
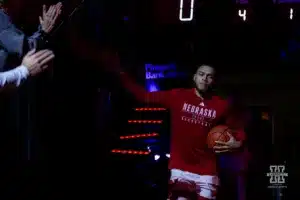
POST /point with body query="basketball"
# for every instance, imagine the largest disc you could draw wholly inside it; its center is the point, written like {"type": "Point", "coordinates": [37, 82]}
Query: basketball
{"type": "Point", "coordinates": [218, 133]}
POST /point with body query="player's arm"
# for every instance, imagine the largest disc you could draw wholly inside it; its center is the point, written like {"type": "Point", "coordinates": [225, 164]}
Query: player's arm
{"type": "Point", "coordinates": [163, 97]}
{"type": "Point", "coordinates": [110, 61]}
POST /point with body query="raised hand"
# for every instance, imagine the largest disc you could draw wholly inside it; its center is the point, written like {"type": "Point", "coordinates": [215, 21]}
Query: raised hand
{"type": "Point", "coordinates": [50, 16]}
{"type": "Point", "coordinates": [36, 62]}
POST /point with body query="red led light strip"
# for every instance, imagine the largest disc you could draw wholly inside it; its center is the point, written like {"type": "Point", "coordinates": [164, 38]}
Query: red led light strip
{"type": "Point", "coordinates": [145, 121]}
{"type": "Point", "coordinates": [133, 152]}
{"type": "Point", "coordinates": [149, 109]}
{"type": "Point", "coordinates": [139, 136]}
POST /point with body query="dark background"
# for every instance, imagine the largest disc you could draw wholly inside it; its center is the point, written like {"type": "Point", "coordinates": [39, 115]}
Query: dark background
{"type": "Point", "coordinates": [74, 126]}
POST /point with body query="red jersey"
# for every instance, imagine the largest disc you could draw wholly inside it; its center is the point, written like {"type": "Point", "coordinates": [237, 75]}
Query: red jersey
{"type": "Point", "coordinates": [191, 119]}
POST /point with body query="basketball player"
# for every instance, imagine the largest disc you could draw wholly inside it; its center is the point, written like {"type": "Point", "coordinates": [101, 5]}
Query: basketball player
{"type": "Point", "coordinates": [193, 113]}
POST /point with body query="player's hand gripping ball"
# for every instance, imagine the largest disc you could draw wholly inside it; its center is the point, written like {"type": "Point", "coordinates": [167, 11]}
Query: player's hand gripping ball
{"type": "Point", "coordinates": [221, 140]}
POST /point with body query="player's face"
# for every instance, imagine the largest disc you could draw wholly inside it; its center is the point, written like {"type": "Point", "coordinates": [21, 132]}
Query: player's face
{"type": "Point", "coordinates": [204, 77]}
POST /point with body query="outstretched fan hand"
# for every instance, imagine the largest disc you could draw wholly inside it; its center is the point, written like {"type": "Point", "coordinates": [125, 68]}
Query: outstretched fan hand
{"type": "Point", "coordinates": [49, 17]}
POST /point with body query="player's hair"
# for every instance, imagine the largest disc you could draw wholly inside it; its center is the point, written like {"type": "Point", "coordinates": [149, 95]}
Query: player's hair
{"type": "Point", "coordinates": [212, 89]}
{"type": "Point", "coordinates": [204, 64]}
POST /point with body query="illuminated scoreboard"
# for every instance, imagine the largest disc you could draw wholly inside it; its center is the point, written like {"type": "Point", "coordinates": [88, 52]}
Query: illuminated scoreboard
{"type": "Point", "coordinates": [287, 8]}
{"type": "Point", "coordinates": [286, 1]}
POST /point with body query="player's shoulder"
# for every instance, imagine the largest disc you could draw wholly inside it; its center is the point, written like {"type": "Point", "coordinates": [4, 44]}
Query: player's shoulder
{"type": "Point", "coordinates": [222, 98]}
{"type": "Point", "coordinates": [221, 95]}
{"type": "Point", "coordinates": [181, 91]}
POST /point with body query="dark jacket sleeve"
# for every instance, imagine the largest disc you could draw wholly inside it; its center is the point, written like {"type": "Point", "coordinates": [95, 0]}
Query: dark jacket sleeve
{"type": "Point", "coordinates": [14, 41]}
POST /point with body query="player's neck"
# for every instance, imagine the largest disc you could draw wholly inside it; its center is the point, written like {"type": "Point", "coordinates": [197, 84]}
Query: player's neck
{"type": "Point", "coordinates": [199, 94]}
